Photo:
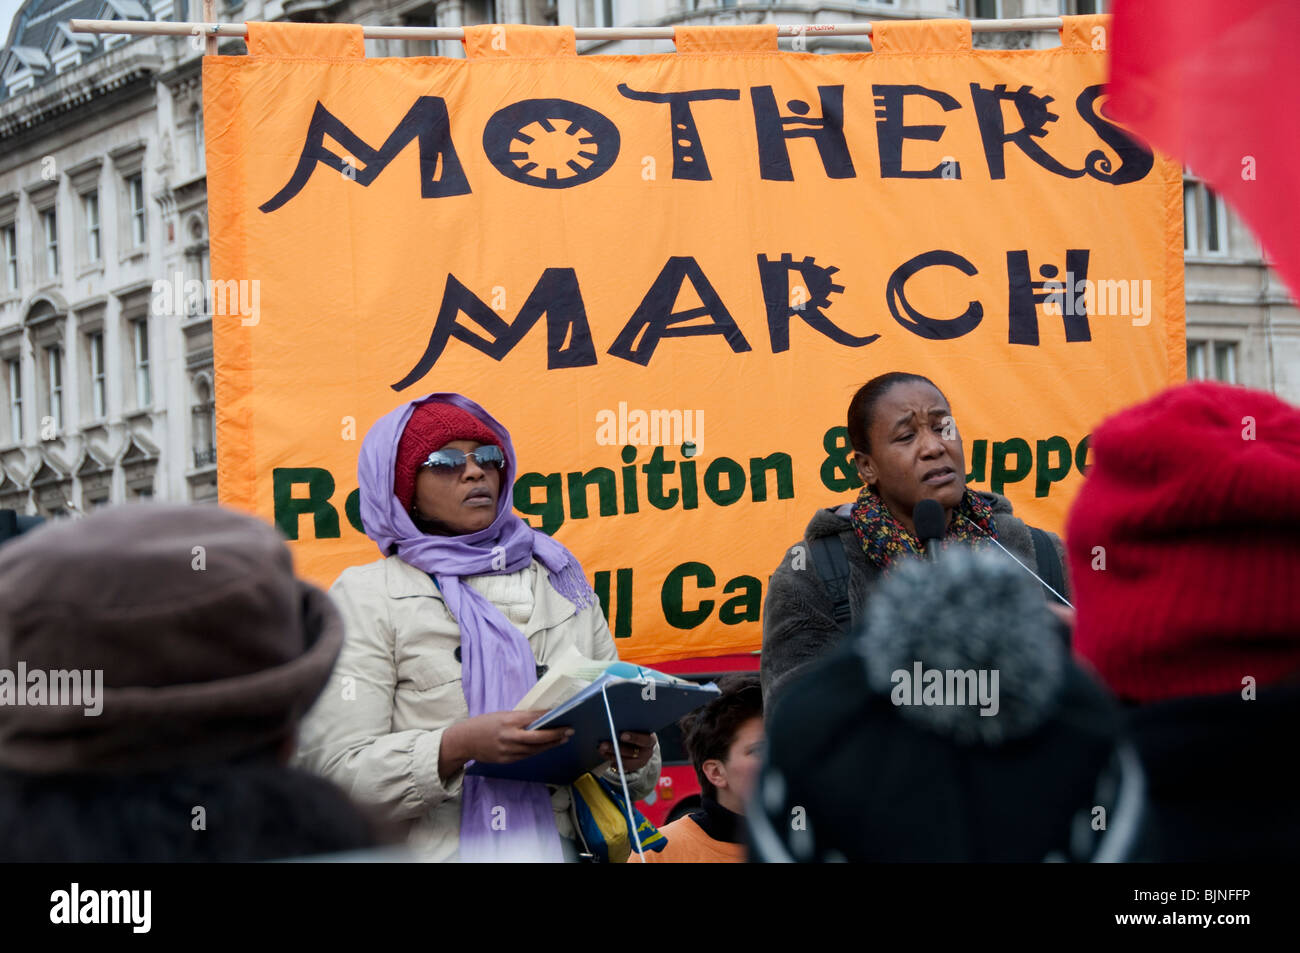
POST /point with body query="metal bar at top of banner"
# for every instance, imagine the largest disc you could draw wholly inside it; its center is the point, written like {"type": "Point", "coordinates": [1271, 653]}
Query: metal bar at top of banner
{"type": "Point", "coordinates": [212, 30]}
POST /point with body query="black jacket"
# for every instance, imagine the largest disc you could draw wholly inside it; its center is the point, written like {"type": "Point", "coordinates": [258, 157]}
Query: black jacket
{"type": "Point", "coordinates": [798, 622]}
{"type": "Point", "coordinates": [1219, 778]}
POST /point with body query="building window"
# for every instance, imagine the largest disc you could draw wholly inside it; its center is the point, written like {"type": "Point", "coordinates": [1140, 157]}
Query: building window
{"type": "Point", "coordinates": [203, 416]}
{"type": "Point", "coordinates": [14, 380]}
{"type": "Point", "coordinates": [50, 229]}
{"type": "Point", "coordinates": [1214, 222]}
{"type": "Point", "coordinates": [54, 381]}
{"type": "Point", "coordinates": [98, 388]}
{"type": "Point", "coordinates": [1212, 360]}
{"type": "Point", "coordinates": [196, 114]}
{"type": "Point", "coordinates": [90, 209]}
{"type": "Point", "coordinates": [140, 338]}
{"type": "Point", "coordinates": [1205, 220]}
{"type": "Point", "coordinates": [1225, 362]}
{"type": "Point", "coordinates": [135, 202]}
{"type": "Point", "coordinates": [988, 9]}
{"type": "Point", "coordinates": [9, 240]}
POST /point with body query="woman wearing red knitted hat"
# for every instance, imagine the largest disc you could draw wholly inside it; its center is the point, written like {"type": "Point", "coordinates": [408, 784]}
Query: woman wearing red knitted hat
{"type": "Point", "coordinates": [1184, 557]}
{"type": "Point", "coordinates": [444, 636]}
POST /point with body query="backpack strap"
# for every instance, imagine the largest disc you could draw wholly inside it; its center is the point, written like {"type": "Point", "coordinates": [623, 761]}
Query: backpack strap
{"type": "Point", "coordinates": [832, 565]}
{"type": "Point", "coordinates": [1049, 563]}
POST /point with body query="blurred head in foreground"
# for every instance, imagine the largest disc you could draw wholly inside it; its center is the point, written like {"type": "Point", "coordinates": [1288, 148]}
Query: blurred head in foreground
{"type": "Point", "coordinates": [1184, 547]}
{"type": "Point", "coordinates": [154, 663]}
{"type": "Point", "coordinates": [955, 728]}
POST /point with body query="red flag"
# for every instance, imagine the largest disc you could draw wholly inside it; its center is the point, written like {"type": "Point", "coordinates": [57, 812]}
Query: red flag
{"type": "Point", "coordinates": [1215, 85]}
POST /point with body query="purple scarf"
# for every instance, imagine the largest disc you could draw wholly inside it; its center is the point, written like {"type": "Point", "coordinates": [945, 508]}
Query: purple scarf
{"type": "Point", "coordinates": [497, 663]}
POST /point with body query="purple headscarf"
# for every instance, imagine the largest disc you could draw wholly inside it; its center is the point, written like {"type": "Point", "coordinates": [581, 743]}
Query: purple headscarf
{"type": "Point", "coordinates": [497, 663]}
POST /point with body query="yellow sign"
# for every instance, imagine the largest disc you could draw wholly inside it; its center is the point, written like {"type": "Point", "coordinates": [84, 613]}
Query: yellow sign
{"type": "Point", "coordinates": [667, 274]}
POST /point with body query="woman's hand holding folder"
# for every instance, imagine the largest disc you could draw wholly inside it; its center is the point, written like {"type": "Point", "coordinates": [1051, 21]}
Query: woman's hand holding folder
{"type": "Point", "coordinates": [499, 737]}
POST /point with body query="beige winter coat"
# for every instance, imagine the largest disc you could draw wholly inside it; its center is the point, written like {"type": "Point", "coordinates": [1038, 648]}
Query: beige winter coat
{"type": "Point", "coordinates": [377, 726]}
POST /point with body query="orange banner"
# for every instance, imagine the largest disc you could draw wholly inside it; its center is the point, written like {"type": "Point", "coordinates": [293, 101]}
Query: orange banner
{"type": "Point", "coordinates": [667, 275]}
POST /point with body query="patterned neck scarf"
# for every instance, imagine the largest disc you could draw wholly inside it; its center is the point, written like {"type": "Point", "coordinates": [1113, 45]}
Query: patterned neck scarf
{"type": "Point", "coordinates": [884, 539]}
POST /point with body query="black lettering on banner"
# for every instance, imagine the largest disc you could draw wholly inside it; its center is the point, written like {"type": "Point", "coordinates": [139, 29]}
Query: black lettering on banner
{"type": "Point", "coordinates": [655, 318]}
{"type": "Point", "coordinates": [1135, 160]}
{"type": "Point", "coordinates": [774, 276]}
{"type": "Point", "coordinates": [932, 329]}
{"type": "Point", "coordinates": [891, 132]}
{"type": "Point", "coordinates": [426, 122]}
{"type": "Point", "coordinates": [689, 161]}
{"type": "Point", "coordinates": [672, 595]}
{"type": "Point", "coordinates": [827, 132]}
{"type": "Point", "coordinates": [1034, 117]}
{"type": "Point", "coordinates": [593, 139]}
{"type": "Point", "coordinates": [1024, 295]}
{"type": "Point", "coordinates": [556, 295]}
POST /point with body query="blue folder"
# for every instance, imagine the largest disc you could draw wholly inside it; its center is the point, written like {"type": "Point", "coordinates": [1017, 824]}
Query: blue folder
{"type": "Point", "coordinates": [585, 714]}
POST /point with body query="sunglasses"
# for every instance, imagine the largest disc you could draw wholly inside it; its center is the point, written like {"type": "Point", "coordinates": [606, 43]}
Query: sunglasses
{"type": "Point", "coordinates": [450, 458]}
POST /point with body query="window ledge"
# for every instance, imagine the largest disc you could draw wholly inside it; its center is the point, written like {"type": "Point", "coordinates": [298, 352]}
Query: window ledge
{"type": "Point", "coordinates": [96, 267]}
{"type": "Point", "coordinates": [137, 254]}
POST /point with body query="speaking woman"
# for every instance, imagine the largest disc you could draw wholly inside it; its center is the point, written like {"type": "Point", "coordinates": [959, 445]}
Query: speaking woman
{"type": "Point", "coordinates": [444, 636]}
{"type": "Point", "coordinates": [906, 448]}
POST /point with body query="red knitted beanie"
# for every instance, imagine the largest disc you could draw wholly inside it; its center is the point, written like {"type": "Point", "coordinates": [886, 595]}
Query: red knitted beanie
{"type": "Point", "coordinates": [431, 427]}
{"type": "Point", "coordinates": [1184, 544]}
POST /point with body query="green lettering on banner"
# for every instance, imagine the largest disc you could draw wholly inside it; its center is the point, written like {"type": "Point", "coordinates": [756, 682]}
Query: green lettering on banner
{"type": "Point", "coordinates": [838, 461]}
{"type": "Point", "coordinates": [735, 481]}
{"type": "Point", "coordinates": [1001, 475]}
{"type": "Point", "coordinates": [352, 507]}
{"type": "Point", "coordinates": [621, 624]}
{"type": "Point", "coordinates": [603, 477]}
{"type": "Point", "coordinates": [1047, 474]}
{"type": "Point", "coordinates": [744, 607]}
{"type": "Point", "coordinates": [551, 510]}
{"type": "Point", "coordinates": [290, 509]}
{"type": "Point", "coordinates": [782, 465]}
{"type": "Point", "coordinates": [979, 455]}
{"type": "Point", "coordinates": [672, 599]}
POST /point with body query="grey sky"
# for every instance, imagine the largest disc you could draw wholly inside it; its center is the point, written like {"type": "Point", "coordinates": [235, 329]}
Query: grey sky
{"type": "Point", "coordinates": [7, 10]}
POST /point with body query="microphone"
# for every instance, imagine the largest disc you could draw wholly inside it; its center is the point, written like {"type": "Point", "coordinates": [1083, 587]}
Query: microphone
{"type": "Point", "coordinates": [928, 518]}
{"type": "Point", "coordinates": [994, 541]}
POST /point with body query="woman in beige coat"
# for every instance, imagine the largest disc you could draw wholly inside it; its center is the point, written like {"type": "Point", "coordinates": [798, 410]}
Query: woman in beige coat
{"type": "Point", "coordinates": [445, 635]}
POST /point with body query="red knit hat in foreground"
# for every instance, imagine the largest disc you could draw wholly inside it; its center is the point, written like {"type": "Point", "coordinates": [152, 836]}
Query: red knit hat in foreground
{"type": "Point", "coordinates": [1194, 500]}
{"type": "Point", "coordinates": [431, 427]}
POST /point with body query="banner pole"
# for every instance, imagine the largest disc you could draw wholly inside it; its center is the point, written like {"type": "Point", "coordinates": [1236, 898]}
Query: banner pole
{"type": "Point", "coordinates": [209, 17]}
{"type": "Point", "coordinates": [212, 29]}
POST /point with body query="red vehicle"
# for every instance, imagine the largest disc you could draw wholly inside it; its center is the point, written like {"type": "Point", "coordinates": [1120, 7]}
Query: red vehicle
{"type": "Point", "coordinates": [679, 790]}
